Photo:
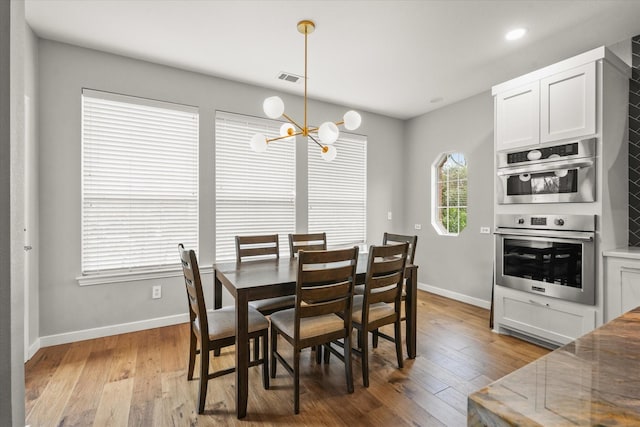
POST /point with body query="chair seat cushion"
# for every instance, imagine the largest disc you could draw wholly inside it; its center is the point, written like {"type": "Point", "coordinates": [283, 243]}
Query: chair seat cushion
{"type": "Point", "coordinates": [270, 305]}
{"type": "Point", "coordinates": [377, 311]}
{"type": "Point", "coordinates": [222, 322]}
{"type": "Point", "coordinates": [309, 326]}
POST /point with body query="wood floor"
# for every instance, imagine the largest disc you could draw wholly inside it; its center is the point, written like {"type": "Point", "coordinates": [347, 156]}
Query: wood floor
{"type": "Point", "coordinates": [139, 379]}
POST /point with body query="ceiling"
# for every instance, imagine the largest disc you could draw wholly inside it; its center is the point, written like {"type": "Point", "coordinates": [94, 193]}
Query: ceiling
{"type": "Point", "coordinates": [389, 57]}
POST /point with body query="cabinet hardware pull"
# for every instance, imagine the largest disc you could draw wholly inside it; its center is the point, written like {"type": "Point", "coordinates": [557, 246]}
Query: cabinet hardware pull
{"type": "Point", "coordinates": [538, 303]}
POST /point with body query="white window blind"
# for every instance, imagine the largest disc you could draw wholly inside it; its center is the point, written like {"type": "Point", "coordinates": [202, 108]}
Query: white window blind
{"type": "Point", "coordinates": [139, 182]}
{"type": "Point", "coordinates": [255, 192]}
{"type": "Point", "coordinates": [338, 192]}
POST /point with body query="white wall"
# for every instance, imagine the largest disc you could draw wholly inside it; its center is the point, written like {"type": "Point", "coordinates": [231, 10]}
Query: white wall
{"type": "Point", "coordinates": [462, 266]}
{"type": "Point", "coordinates": [63, 71]}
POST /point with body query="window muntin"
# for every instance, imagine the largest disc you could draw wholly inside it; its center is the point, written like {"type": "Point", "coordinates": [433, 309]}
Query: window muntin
{"type": "Point", "coordinates": [338, 191]}
{"type": "Point", "coordinates": [139, 182]}
{"type": "Point", "coordinates": [449, 200]}
{"type": "Point", "coordinates": [255, 192]}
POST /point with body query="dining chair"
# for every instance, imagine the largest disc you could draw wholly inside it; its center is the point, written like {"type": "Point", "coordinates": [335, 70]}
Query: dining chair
{"type": "Point", "coordinates": [216, 330]}
{"type": "Point", "coordinates": [322, 312]}
{"type": "Point", "coordinates": [307, 242]}
{"type": "Point", "coordinates": [387, 239]}
{"type": "Point", "coordinates": [381, 301]}
{"type": "Point", "coordinates": [263, 247]}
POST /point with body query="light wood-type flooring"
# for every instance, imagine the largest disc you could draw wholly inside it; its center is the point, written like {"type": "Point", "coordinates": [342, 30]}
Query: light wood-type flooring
{"type": "Point", "coordinates": [139, 379]}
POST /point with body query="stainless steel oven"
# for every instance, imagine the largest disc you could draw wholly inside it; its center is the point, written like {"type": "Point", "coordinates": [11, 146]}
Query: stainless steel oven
{"type": "Point", "coordinates": [550, 255]}
{"type": "Point", "coordinates": [554, 174]}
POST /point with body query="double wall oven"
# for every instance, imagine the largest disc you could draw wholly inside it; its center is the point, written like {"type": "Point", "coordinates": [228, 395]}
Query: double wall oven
{"type": "Point", "coordinates": [543, 253]}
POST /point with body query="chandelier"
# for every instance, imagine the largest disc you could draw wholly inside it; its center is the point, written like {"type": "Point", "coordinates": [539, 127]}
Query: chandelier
{"type": "Point", "coordinates": [327, 132]}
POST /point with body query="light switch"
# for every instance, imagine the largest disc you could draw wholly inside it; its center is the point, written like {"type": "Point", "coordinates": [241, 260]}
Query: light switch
{"type": "Point", "coordinates": [418, 226]}
{"type": "Point", "coordinates": [389, 215]}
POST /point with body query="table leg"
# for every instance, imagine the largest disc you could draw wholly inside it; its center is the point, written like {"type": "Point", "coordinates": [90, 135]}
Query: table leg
{"type": "Point", "coordinates": [411, 312]}
{"type": "Point", "coordinates": [217, 300]}
{"type": "Point", "coordinates": [242, 354]}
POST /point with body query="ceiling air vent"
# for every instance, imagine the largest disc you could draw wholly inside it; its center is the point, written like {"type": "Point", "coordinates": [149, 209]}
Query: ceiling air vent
{"type": "Point", "coordinates": [289, 77]}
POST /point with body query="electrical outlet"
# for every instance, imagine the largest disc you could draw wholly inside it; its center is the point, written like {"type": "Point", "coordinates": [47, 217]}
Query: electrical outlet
{"type": "Point", "coordinates": [389, 215]}
{"type": "Point", "coordinates": [485, 230]}
{"type": "Point", "coordinates": [156, 292]}
{"type": "Point", "coordinates": [418, 226]}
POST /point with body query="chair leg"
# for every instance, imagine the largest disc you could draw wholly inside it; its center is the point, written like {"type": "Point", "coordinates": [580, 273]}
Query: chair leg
{"type": "Point", "coordinates": [193, 342]}
{"type": "Point", "coordinates": [256, 348]}
{"type": "Point", "coordinates": [265, 359]}
{"type": "Point", "coordinates": [273, 350]}
{"type": "Point", "coordinates": [347, 363]}
{"type": "Point", "coordinates": [327, 353]}
{"type": "Point", "coordinates": [318, 354]}
{"type": "Point", "coordinates": [398, 340]}
{"type": "Point", "coordinates": [365, 357]}
{"type": "Point", "coordinates": [374, 341]}
{"type": "Point", "coordinates": [204, 378]}
{"type": "Point", "coordinates": [296, 381]}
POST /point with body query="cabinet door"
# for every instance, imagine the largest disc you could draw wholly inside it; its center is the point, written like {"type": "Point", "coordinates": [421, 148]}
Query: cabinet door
{"type": "Point", "coordinates": [622, 287]}
{"type": "Point", "coordinates": [517, 117]}
{"type": "Point", "coordinates": [568, 104]}
{"type": "Point", "coordinates": [548, 319]}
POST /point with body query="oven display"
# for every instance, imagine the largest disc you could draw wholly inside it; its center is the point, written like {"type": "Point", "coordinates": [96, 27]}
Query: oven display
{"type": "Point", "coordinates": [551, 262]}
{"type": "Point", "coordinates": [538, 220]}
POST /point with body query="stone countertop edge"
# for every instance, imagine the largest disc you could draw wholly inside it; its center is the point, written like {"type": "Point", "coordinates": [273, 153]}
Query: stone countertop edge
{"type": "Point", "coordinates": [631, 252]}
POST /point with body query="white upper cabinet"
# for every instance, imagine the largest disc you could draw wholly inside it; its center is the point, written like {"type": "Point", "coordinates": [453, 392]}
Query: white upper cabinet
{"type": "Point", "coordinates": [517, 117]}
{"type": "Point", "coordinates": [568, 104]}
{"type": "Point", "coordinates": [554, 103]}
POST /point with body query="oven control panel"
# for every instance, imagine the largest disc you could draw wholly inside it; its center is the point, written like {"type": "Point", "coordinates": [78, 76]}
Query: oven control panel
{"type": "Point", "coordinates": [547, 222]}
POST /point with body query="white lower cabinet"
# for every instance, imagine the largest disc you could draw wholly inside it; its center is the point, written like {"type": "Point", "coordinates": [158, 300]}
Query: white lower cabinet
{"type": "Point", "coordinates": [622, 282]}
{"type": "Point", "coordinates": [546, 319]}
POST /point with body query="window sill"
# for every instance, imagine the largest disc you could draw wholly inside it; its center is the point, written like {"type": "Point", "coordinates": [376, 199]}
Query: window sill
{"type": "Point", "coordinates": [134, 276]}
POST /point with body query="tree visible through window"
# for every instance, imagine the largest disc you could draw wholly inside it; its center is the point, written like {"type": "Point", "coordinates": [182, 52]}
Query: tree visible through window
{"type": "Point", "coordinates": [450, 198]}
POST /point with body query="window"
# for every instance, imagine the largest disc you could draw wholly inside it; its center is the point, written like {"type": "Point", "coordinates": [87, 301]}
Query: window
{"type": "Point", "coordinates": [449, 194]}
{"type": "Point", "coordinates": [139, 182]}
{"type": "Point", "coordinates": [255, 192]}
{"type": "Point", "coordinates": [338, 192]}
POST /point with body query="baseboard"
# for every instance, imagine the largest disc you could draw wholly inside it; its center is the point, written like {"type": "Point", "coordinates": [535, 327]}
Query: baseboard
{"type": "Point", "coordinates": [455, 295]}
{"type": "Point", "coordinates": [106, 331]}
{"type": "Point", "coordinates": [33, 348]}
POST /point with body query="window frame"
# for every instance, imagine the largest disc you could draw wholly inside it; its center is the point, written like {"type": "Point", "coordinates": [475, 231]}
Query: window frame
{"type": "Point", "coordinates": [313, 155]}
{"type": "Point", "coordinates": [225, 242]}
{"type": "Point", "coordinates": [436, 194]}
{"type": "Point", "coordinates": [91, 271]}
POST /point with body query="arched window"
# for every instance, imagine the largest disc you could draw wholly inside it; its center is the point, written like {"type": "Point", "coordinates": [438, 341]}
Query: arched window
{"type": "Point", "coordinates": [449, 194]}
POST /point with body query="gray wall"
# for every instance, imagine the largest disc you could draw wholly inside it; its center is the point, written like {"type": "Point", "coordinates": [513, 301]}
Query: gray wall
{"type": "Point", "coordinates": [63, 71]}
{"type": "Point", "coordinates": [31, 185]}
{"type": "Point", "coordinates": [461, 264]}
{"type": "Point", "coordinates": [12, 34]}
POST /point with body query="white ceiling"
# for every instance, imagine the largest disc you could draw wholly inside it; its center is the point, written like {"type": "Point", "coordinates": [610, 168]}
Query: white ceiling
{"type": "Point", "coordinates": [388, 57]}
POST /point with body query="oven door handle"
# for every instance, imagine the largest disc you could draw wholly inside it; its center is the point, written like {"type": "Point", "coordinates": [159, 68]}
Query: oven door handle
{"type": "Point", "coordinates": [569, 235]}
{"type": "Point", "coordinates": [546, 167]}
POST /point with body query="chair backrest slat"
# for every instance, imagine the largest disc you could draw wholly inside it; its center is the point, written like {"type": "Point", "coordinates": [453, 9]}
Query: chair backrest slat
{"type": "Point", "coordinates": [325, 284]}
{"type": "Point", "coordinates": [385, 275]}
{"type": "Point", "coordinates": [195, 296]}
{"type": "Point", "coordinates": [253, 246]}
{"type": "Point", "coordinates": [390, 238]}
{"type": "Point", "coordinates": [307, 242]}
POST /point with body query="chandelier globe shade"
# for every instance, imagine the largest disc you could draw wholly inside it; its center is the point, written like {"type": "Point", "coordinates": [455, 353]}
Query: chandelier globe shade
{"type": "Point", "coordinates": [324, 136]}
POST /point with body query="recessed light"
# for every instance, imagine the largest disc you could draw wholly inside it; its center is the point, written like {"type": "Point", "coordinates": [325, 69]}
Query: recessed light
{"type": "Point", "coordinates": [515, 34]}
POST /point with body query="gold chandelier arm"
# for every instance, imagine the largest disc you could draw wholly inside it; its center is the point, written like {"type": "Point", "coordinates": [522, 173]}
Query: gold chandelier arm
{"type": "Point", "coordinates": [294, 122]}
{"type": "Point", "coordinates": [283, 137]}
{"type": "Point", "coordinates": [341, 122]}
{"type": "Point", "coordinates": [316, 141]}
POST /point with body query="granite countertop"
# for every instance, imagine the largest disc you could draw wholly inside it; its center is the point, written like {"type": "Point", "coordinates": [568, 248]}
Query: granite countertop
{"type": "Point", "coordinates": [595, 380]}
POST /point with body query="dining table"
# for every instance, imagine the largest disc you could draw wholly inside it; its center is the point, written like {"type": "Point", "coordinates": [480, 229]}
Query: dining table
{"type": "Point", "coordinates": [269, 278]}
